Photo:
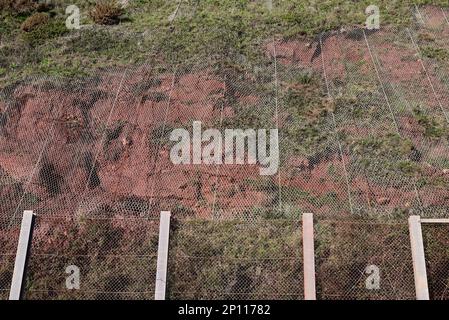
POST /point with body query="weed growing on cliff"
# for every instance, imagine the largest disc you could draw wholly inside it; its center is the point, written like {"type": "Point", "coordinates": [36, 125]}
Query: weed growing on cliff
{"type": "Point", "coordinates": [432, 129]}
{"type": "Point", "coordinates": [435, 53]}
{"type": "Point", "coordinates": [34, 21]}
{"type": "Point", "coordinates": [39, 32]}
{"type": "Point", "coordinates": [18, 7]}
{"type": "Point", "coordinates": [202, 29]}
{"type": "Point", "coordinates": [106, 12]}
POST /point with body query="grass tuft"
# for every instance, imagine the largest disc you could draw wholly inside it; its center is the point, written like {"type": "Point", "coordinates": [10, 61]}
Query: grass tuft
{"type": "Point", "coordinates": [106, 12]}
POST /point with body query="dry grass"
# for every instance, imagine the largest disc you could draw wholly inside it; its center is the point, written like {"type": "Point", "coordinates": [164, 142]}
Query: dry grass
{"type": "Point", "coordinates": [106, 12]}
{"type": "Point", "coordinates": [18, 6]}
{"type": "Point", "coordinates": [34, 21]}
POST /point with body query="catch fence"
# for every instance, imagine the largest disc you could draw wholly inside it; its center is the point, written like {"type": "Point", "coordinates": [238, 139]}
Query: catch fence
{"type": "Point", "coordinates": [116, 258]}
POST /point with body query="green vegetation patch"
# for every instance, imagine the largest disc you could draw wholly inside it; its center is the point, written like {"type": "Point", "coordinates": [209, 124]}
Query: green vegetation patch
{"type": "Point", "coordinates": [432, 129]}
{"type": "Point", "coordinates": [432, 52]}
{"type": "Point", "coordinates": [223, 259]}
{"type": "Point", "coordinates": [176, 30]}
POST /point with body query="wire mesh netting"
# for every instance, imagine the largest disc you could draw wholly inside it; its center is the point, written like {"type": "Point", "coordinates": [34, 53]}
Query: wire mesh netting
{"type": "Point", "coordinates": [236, 260]}
{"type": "Point", "coordinates": [352, 138]}
{"type": "Point", "coordinates": [436, 246]}
{"type": "Point", "coordinates": [116, 258]}
{"type": "Point", "coordinates": [363, 260]}
{"type": "Point", "coordinates": [8, 244]}
{"type": "Point", "coordinates": [363, 127]}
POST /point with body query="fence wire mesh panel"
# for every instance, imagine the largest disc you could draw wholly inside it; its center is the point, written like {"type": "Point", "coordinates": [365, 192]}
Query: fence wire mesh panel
{"type": "Point", "coordinates": [9, 238]}
{"type": "Point", "coordinates": [116, 258]}
{"type": "Point", "coordinates": [236, 259]}
{"type": "Point", "coordinates": [436, 246]}
{"type": "Point", "coordinates": [363, 260]}
{"type": "Point", "coordinates": [349, 142]}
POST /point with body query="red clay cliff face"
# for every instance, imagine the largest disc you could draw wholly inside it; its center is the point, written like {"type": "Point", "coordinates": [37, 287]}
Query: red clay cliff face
{"type": "Point", "coordinates": [100, 145]}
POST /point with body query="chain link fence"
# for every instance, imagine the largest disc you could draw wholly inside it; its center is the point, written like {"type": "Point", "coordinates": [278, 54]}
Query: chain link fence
{"type": "Point", "coordinates": [236, 259]}
{"type": "Point", "coordinates": [116, 258]}
{"type": "Point", "coordinates": [362, 133]}
{"type": "Point", "coordinates": [357, 260]}
{"type": "Point", "coordinates": [9, 237]}
{"type": "Point", "coordinates": [436, 245]}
